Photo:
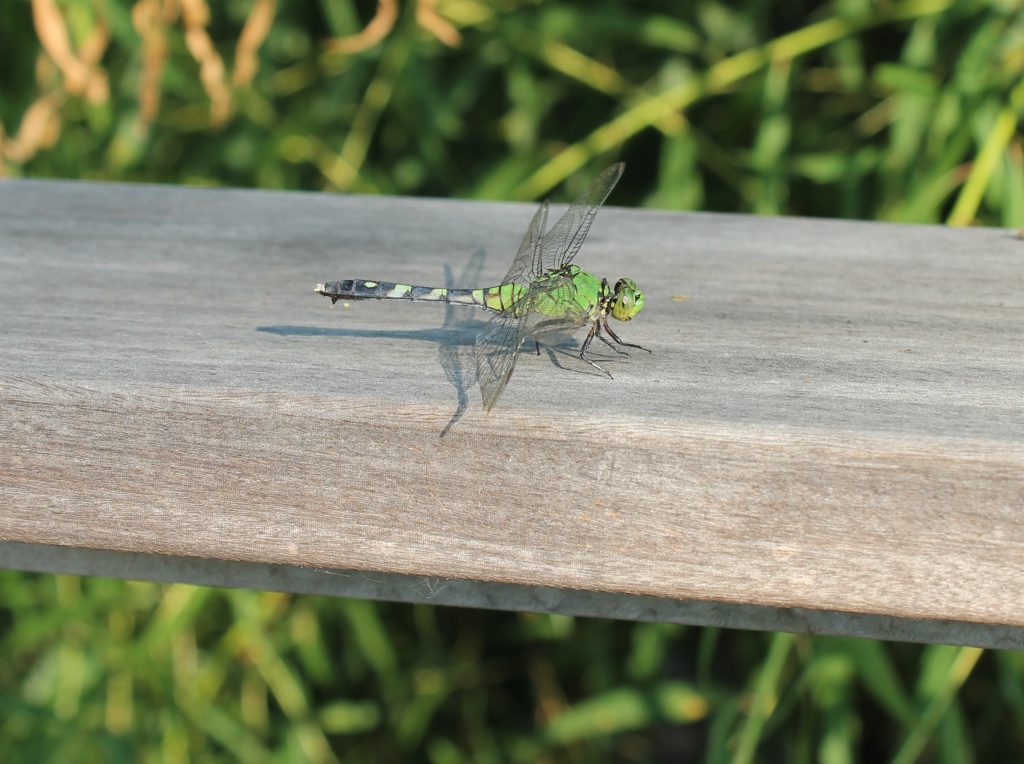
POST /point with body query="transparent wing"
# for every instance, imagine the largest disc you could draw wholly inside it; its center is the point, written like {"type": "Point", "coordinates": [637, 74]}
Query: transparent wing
{"type": "Point", "coordinates": [561, 243]}
{"type": "Point", "coordinates": [527, 259]}
{"type": "Point", "coordinates": [497, 348]}
{"type": "Point", "coordinates": [498, 345]}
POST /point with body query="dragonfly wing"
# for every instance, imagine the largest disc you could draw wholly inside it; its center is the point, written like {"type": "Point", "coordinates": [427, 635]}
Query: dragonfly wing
{"type": "Point", "coordinates": [497, 348]}
{"type": "Point", "coordinates": [561, 243]}
{"type": "Point", "coordinates": [548, 307]}
{"type": "Point", "coordinates": [527, 259]}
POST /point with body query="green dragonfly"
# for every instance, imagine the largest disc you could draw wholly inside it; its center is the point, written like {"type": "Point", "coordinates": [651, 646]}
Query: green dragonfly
{"type": "Point", "coordinates": [543, 295]}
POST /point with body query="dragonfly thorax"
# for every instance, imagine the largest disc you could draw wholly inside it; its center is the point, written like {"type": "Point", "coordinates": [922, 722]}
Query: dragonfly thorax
{"type": "Point", "coordinates": [626, 300]}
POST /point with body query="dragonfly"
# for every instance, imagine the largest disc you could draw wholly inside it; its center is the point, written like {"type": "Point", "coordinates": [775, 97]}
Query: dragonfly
{"type": "Point", "coordinates": [543, 295]}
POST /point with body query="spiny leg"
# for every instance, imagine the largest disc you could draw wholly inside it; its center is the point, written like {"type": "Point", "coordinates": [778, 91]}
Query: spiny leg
{"type": "Point", "coordinates": [606, 342]}
{"type": "Point", "coordinates": [587, 341]}
{"type": "Point", "coordinates": [536, 345]}
{"type": "Point", "coordinates": [615, 337]}
{"type": "Point", "coordinates": [594, 329]}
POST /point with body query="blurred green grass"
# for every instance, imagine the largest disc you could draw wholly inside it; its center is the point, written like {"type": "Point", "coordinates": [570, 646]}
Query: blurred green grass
{"type": "Point", "coordinates": [104, 670]}
{"type": "Point", "coordinates": [905, 111]}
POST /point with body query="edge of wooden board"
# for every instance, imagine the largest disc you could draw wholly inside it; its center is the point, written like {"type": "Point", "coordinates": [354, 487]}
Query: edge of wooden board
{"type": "Point", "coordinates": [41, 558]}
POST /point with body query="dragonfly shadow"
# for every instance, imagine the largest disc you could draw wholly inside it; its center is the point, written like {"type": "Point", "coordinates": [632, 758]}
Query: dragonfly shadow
{"type": "Point", "coordinates": [462, 335]}
{"type": "Point", "coordinates": [455, 340]}
{"type": "Point", "coordinates": [455, 349]}
{"type": "Point", "coordinates": [459, 360]}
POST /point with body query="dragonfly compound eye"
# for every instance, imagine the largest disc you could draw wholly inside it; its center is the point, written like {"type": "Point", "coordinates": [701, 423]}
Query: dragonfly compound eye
{"type": "Point", "coordinates": [629, 300]}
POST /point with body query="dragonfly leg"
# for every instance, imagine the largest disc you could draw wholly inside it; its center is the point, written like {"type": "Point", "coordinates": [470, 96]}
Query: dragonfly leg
{"type": "Point", "coordinates": [615, 337]}
{"type": "Point", "coordinates": [606, 342]}
{"type": "Point", "coordinates": [599, 368]}
{"type": "Point", "coordinates": [588, 340]}
{"type": "Point", "coordinates": [536, 345]}
{"type": "Point", "coordinates": [594, 329]}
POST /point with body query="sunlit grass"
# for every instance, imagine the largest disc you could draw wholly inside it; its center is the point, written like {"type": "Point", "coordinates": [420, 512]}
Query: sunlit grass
{"type": "Point", "coordinates": [109, 670]}
{"type": "Point", "coordinates": [904, 111]}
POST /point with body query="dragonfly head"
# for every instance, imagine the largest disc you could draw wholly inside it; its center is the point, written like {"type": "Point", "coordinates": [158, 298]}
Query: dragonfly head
{"type": "Point", "coordinates": [627, 300]}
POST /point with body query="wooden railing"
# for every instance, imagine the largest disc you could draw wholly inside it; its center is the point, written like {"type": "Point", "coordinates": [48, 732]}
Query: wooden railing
{"type": "Point", "coordinates": [827, 437]}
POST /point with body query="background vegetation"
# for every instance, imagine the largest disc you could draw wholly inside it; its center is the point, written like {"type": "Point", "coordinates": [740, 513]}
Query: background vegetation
{"type": "Point", "coordinates": [906, 110]}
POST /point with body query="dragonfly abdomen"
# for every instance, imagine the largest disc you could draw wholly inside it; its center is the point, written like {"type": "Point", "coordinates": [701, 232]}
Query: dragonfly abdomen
{"type": "Point", "coordinates": [497, 298]}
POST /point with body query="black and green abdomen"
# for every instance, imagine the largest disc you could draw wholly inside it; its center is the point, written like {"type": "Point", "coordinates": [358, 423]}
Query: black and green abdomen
{"type": "Point", "coordinates": [499, 298]}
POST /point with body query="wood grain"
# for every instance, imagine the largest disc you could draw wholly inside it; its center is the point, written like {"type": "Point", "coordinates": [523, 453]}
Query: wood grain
{"type": "Point", "coordinates": [832, 419]}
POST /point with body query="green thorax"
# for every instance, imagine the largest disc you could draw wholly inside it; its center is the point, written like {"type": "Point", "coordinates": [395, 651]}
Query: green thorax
{"type": "Point", "coordinates": [589, 296]}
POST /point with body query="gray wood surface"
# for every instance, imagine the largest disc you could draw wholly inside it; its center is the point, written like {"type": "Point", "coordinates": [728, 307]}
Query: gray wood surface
{"type": "Point", "coordinates": [829, 435]}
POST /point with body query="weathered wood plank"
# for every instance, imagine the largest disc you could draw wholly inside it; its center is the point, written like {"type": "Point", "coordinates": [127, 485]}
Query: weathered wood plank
{"type": "Point", "coordinates": [832, 420]}
{"type": "Point", "coordinates": [396, 587]}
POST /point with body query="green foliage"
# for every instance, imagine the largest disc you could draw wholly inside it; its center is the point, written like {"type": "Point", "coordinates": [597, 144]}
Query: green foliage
{"type": "Point", "coordinates": [104, 670]}
{"type": "Point", "coordinates": [906, 110]}
{"type": "Point", "coordinates": [901, 111]}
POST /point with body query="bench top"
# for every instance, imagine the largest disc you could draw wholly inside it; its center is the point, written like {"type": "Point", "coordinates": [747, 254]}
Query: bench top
{"type": "Point", "coordinates": [828, 435]}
